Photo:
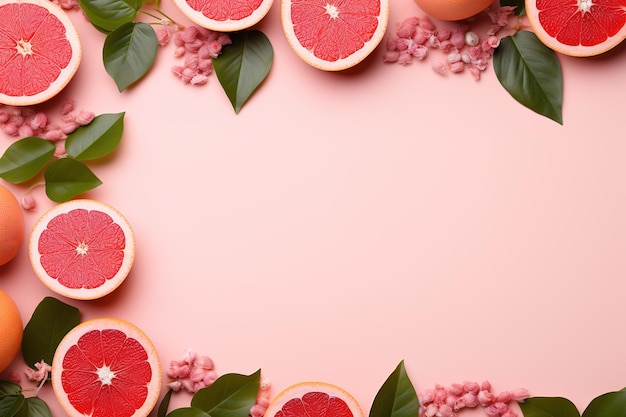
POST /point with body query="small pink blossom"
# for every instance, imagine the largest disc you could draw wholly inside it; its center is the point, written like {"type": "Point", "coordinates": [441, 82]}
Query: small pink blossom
{"type": "Point", "coordinates": [519, 394]}
{"type": "Point", "coordinates": [83, 118]}
{"type": "Point", "coordinates": [163, 35]}
{"type": "Point", "coordinates": [59, 151]}
{"type": "Point", "coordinates": [41, 372]}
{"type": "Point", "coordinates": [439, 67]}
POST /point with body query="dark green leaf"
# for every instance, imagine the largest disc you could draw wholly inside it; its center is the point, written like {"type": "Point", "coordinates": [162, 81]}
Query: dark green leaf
{"type": "Point", "coordinates": [66, 178]}
{"type": "Point", "coordinates": [108, 15]}
{"type": "Point", "coordinates": [396, 397]}
{"type": "Point", "coordinates": [9, 388]}
{"type": "Point", "coordinates": [129, 52]}
{"type": "Point", "coordinates": [11, 404]}
{"type": "Point", "coordinates": [611, 404]}
{"type": "Point", "coordinates": [531, 73]}
{"type": "Point", "coordinates": [50, 321]}
{"type": "Point", "coordinates": [99, 138]}
{"type": "Point", "coordinates": [165, 403]}
{"type": "Point", "coordinates": [243, 65]}
{"type": "Point", "coordinates": [231, 395]}
{"type": "Point", "coordinates": [548, 407]}
{"type": "Point", "coordinates": [188, 412]}
{"type": "Point", "coordinates": [35, 407]}
{"type": "Point", "coordinates": [520, 6]}
{"type": "Point", "coordinates": [25, 158]}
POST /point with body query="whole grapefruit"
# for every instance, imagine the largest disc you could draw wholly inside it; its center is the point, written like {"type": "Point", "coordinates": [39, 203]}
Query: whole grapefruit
{"type": "Point", "coordinates": [10, 330]}
{"type": "Point", "coordinates": [11, 225]}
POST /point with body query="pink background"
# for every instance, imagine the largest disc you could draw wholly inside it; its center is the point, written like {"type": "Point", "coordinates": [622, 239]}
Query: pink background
{"type": "Point", "coordinates": [343, 222]}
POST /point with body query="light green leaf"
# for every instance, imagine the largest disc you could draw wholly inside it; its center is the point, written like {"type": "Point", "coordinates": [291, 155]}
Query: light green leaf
{"type": "Point", "coordinates": [520, 8]}
{"type": "Point", "coordinates": [35, 407]}
{"type": "Point", "coordinates": [11, 404]}
{"type": "Point", "coordinates": [231, 395]}
{"type": "Point", "coordinates": [66, 178]}
{"type": "Point", "coordinates": [611, 404]}
{"type": "Point", "coordinates": [243, 65]}
{"type": "Point", "coordinates": [531, 73]}
{"type": "Point", "coordinates": [165, 403]}
{"type": "Point", "coordinates": [25, 158]}
{"type": "Point", "coordinates": [96, 140]}
{"type": "Point", "coordinates": [129, 52]}
{"type": "Point", "coordinates": [396, 397]}
{"type": "Point", "coordinates": [188, 412]}
{"type": "Point", "coordinates": [548, 407]}
{"type": "Point", "coordinates": [50, 321]}
{"type": "Point", "coordinates": [108, 15]}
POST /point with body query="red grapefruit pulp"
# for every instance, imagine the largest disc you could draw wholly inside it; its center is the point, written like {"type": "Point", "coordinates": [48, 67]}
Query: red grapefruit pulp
{"type": "Point", "coordinates": [314, 399]}
{"type": "Point", "coordinates": [82, 249]}
{"type": "Point", "coordinates": [225, 15]}
{"type": "Point", "coordinates": [578, 27]}
{"type": "Point", "coordinates": [334, 34]}
{"type": "Point", "coordinates": [39, 51]}
{"type": "Point", "coordinates": [106, 367]}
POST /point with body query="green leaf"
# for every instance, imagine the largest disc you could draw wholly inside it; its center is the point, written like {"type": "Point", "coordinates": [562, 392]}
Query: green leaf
{"type": "Point", "coordinates": [520, 6]}
{"type": "Point", "coordinates": [9, 388]}
{"type": "Point", "coordinates": [548, 407]}
{"type": "Point", "coordinates": [243, 65]}
{"type": "Point", "coordinates": [96, 140]}
{"type": "Point", "coordinates": [50, 321]}
{"type": "Point", "coordinates": [25, 158]}
{"type": "Point", "coordinates": [611, 404]}
{"type": "Point", "coordinates": [188, 412]}
{"type": "Point", "coordinates": [231, 395]}
{"type": "Point", "coordinates": [108, 15]}
{"type": "Point", "coordinates": [165, 403]}
{"type": "Point", "coordinates": [34, 407]}
{"type": "Point", "coordinates": [396, 397]}
{"type": "Point", "coordinates": [11, 404]}
{"type": "Point", "coordinates": [66, 178]}
{"type": "Point", "coordinates": [531, 73]}
{"type": "Point", "coordinates": [129, 52]}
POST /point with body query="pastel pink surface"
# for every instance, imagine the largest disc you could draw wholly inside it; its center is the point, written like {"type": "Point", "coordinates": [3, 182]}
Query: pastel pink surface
{"type": "Point", "coordinates": [342, 222]}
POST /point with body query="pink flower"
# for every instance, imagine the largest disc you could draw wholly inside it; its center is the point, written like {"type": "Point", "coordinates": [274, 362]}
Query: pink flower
{"type": "Point", "coordinates": [519, 394]}
{"type": "Point", "coordinates": [439, 67]}
{"type": "Point", "coordinates": [163, 35]}
{"type": "Point", "coordinates": [84, 117]}
{"type": "Point", "coordinates": [485, 398]}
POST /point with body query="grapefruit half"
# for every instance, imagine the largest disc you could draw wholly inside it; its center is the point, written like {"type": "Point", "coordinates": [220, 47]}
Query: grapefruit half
{"type": "Point", "coordinates": [314, 399]}
{"type": "Point", "coordinates": [225, 15]}
{"type": "Point", "coordinates": [453, 9]}
{"type": "Point", "coordinates": [334, 35]}
{"type": "Point", "coordinates": [39, 51]}
{"type": "Point", "coordinates": [578, 27]}
{"type": "Point", "coordinates": [106, 367]}
{"type": "Point", "coordinates": [82, 249]}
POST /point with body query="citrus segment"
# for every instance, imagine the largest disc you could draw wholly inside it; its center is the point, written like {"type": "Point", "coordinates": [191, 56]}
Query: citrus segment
{"type": "Point", "coordinates": [334, 34]}
{"type": "Point", "coordinates": [452, 9]}
{"type": "Point", "coordinates": [578, 27]}
{"type": "Point", "coordinates": [82, 249]}
{"type": "Point", "coordinates": [106, 367]}
{"type": "Point", "coordinates": [10, 330]}
{"type": "Point", "coordinates": [225, 15]}
{"type": "Point", "coordinates": [11, 225]}
{"type": "Point", "coordinates": [314, 399]}
{"type": "Point", "coordinates": [39, 51]}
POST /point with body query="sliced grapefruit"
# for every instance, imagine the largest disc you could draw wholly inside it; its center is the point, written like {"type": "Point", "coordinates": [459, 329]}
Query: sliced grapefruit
{"type": "Point", "coordinates": [578, 27]}
{"type": "Point", "coordinates": [314, 399]}
{"type": "Point", "coordinates": [106, 367]}
{"type": "Point", "coordinates": [82, 249]}
{"type": "Point", "coordinates": [334, 35]}
{"type": "Point", "coordinates": [225, 15]}
{"type": "Point", "coordinates": [39, 51]}
{"type": "Point", "coordinates": [452, 9]}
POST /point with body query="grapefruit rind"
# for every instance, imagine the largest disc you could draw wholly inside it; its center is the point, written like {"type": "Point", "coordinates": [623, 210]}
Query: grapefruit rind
{"type": "Point", "coordinates": [228, 25]}
{"type": "Point", "coordinates": [131, 331]}
{"type": "Point", "coordinates": [66, 74]}
{"type": "Point", "coordinates": [299, 389]}
{"type": "Point", "coordinates": [343, 63]}
{"type": "Point", "coordinates": [453, 10]}
{"type": "Point", "coordinates": [551, 42]}
{"type": "Point", "coordinates": [82, 293]}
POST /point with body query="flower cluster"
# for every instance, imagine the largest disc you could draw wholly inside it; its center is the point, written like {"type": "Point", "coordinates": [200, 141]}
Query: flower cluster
{"type": "Point", "coordinates": [197, 45]}
{"type": "Point", "coordinates": [21, 122]}
{"type": "Point", "coordinates": [194, 372]}
{"type": "Point", "coordinates": [448, 401]}
{"type": "Point", "coordinates": [463, 48]}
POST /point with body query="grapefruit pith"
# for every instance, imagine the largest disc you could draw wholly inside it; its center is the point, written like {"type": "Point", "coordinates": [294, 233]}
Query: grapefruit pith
{"type": "Point", "coordinates": [225, 15]}
{"type": "Point", "coordinates": [40, 51]}
{"type": "Point", "coordinates": [452, 9]}
{"type": "Point", "coordinates": [578, 27]}
{"type": "Point", "coordinates": [334, 35]}
{"type": "Point", "coordinates": [106, 367]}
{"type": "Point", "coordinates": [10, 329]}
{"type": "Point", "coordinates": [314, 399]}
{"type": "Point", "coordinates": [11, 225]}
{"type": "Point", "coordinates": [82, 249]}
